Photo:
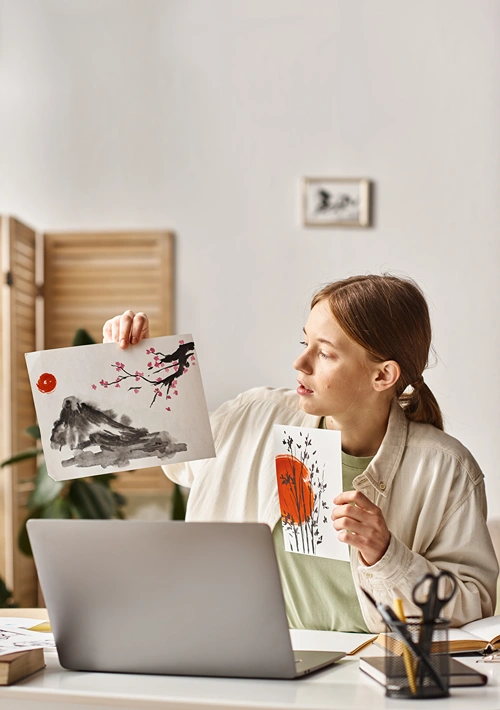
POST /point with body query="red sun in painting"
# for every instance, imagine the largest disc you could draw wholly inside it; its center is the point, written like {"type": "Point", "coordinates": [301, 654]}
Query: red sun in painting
{"type": "Point", "coordinates": [295, 491]}
{"type": "Point", "coordinates": [46, 383]}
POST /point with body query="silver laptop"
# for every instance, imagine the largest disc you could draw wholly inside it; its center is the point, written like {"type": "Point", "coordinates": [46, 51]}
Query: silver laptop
{"type": "Point", "coordinates": [201, 599]}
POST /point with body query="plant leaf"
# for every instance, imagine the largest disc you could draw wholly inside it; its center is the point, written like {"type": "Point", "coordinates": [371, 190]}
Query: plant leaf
{"type": "Point", "coordinates": [178, 504]}
{"type": "Point", "coordinates": [23, 541]}
{"type": "Point", "coordinates": [104, 479]}
{"type": "Point", "coordinates": [45, 490]}
{"type": "Point", "coordinates": [104, 500]}
{"type": "Point", "coordinates": [82, 501]}
{"type": "Point", "coordinates": [91, 500]}
{"type": "Point", "coordinates": [58, 508]}
{"type": "Point", "coordinates": [120, 500]}
{"type": "Point", "coordinates": [22, 456]}
{"type": "Point", "coordinates": [5, 596]}
{"type": "Point", "coordinates": [83, 337]}
{"type": "Point", "coordinates": [33, 431]}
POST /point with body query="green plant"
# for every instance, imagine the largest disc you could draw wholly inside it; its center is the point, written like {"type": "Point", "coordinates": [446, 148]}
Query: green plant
{"type": "Point", "coordinates": [5, 597]}
{"type": "Point", "coordinates": [178, 503]}
{"type": "Point", "coordinates": [88, 498]}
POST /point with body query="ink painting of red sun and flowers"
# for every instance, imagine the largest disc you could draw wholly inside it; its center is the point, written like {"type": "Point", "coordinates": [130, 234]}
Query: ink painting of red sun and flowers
{"type": "Point", "coordinates": [309, 476]}
{"type": "Point", "coordinates": [102, 409]}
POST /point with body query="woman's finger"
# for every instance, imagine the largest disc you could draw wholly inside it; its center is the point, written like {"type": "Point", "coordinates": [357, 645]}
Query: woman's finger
{"type": "Point", "coordinates": [125, 328]}
{"type": "Point", "coordinates": [359, 500]}
{"type": "Point", "coordinates": [110, 330]}
{"type": "Point", "coordinates": [139, 328]}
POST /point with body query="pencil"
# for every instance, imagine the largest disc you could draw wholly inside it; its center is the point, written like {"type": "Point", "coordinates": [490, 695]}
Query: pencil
{"type": "Point", "coordinates": [408, 661]}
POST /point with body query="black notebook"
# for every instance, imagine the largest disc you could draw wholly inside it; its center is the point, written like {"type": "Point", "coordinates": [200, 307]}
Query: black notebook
{"type": "Point", "coordinates": [460, 674]}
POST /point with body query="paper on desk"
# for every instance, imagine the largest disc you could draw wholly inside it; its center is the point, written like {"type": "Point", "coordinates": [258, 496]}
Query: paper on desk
{"type": "Point", "coordinates": [309, 475]}
{"type": "Point", "coordinates": [102, 409]}
{"type": "Point", "coordinates": [18, 622]}
{"type": "Point", "coordinates": [16, 638]}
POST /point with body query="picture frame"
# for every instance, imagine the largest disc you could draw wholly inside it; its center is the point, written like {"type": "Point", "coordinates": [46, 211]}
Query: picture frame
{"type": "Point", "coordinates": [336, 202]}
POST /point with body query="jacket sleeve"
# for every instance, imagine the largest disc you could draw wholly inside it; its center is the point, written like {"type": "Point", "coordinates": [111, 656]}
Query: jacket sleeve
{"type": "Point", "coordinates": [185, 473]}
{"type": "Point", "coordinates": [463, 547]}
{"type": "Point", "coordinates": [181, 473]}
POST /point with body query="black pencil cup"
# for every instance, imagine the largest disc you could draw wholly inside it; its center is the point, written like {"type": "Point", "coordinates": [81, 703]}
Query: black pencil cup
{"type": "Point", "coordinates": [420, 668]}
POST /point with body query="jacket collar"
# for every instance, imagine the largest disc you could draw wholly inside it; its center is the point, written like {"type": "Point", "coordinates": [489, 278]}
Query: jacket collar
{"type": "Point", "coordinates": [382, 469]}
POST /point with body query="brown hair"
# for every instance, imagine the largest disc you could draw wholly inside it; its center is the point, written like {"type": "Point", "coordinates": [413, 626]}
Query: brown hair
{"type": "Point", "coordinates": [388, 316]}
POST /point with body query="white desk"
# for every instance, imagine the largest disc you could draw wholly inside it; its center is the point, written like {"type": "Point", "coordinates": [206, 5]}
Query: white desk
{"type": "Point", "coordinates": [341, 687]}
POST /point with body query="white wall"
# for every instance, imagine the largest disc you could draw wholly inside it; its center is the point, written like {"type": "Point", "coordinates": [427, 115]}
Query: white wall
{"type": "Point", "coordinates": [202, 116]}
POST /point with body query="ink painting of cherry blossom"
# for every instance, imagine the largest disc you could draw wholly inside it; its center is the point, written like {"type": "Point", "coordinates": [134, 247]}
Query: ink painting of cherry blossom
{"type": "Point", "coordinates": [102, 409]}
{"type": "Point", "coordinates": [309, 476]}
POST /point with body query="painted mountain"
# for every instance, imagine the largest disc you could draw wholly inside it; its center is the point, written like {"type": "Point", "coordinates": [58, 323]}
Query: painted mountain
{"type": "Point", "coordinates": [99, 438]}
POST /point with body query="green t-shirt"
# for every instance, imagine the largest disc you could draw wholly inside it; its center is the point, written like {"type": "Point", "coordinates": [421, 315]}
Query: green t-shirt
{"type": "Point", "coordinates": [319, 592]}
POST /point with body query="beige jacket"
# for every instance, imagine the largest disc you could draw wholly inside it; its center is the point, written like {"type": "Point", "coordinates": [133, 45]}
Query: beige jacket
{"type": "Point", "coordinates": [428, 486]}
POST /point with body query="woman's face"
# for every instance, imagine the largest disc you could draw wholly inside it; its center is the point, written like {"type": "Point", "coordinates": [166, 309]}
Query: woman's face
{"type": "Point", "coordinates": [335, 373]}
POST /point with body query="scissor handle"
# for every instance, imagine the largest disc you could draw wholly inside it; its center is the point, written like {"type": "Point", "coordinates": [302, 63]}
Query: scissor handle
{"type": "Point", "coordinates": [428, 593]}
{"type": "Point", "coordinates": [440, 587]}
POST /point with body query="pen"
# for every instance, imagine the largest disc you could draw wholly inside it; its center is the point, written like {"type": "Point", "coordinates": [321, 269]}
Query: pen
{"type": "Point", "coordinates": [400, 630]}
{"type": "Point", "coordinates": [408, 661]}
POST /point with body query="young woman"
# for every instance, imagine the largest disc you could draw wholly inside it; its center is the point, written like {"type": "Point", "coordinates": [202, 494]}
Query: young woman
{"type": "Point", "coordinates": [413, 498]}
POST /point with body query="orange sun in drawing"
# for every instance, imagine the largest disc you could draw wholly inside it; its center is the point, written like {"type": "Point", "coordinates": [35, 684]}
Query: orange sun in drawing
{"type": "Point", "coordinates": [295, 491]}
{"type": "Point", "coordinates": [46, 383]}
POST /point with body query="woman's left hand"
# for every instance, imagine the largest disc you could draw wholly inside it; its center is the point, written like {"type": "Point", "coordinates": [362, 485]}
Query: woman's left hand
{"type": "Point", "coordinates": [361, 525]}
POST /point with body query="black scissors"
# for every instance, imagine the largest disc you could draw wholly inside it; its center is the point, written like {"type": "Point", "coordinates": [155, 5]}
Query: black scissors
{"type": "Point", "coordinates": [431, 595]}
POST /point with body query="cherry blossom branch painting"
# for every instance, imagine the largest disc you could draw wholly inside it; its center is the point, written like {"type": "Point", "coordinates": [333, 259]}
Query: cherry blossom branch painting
{"type": "Point", "coordinates": [309, 475]}
{"type": "Point", "coordinates": [161, 373]}
{"type": "Point", "coordinates": [90, 421]}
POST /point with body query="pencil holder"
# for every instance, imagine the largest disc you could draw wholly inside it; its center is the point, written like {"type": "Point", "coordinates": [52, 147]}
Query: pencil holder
{"type": "Point", "coordinates": [417, 660]}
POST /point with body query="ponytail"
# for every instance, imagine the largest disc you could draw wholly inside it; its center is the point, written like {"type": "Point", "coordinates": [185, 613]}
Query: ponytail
{"type": "Point", "coordinates": [420, 405]}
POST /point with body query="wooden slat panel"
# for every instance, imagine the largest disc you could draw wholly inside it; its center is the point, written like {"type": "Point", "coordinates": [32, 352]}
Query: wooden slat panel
{"type": "Point", "coordinates": [18, 337]}
{"type": "Point", "coordinates": [90, 277]}
{"type": "Point", "coordinates": [144, 481]}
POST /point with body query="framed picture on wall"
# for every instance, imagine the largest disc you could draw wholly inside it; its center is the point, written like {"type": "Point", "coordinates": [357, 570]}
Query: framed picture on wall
{"type": "Point", "coordinates": [336, 202]}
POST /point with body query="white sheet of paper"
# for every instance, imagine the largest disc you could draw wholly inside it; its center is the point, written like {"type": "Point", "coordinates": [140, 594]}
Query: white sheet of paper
{"type": "Point", "coordinates": [309, 476]}
{"type": "Point", "coordinates": [18, 622]}
{"type": "Point", "coordinates": [16, 639]}
{"type": "Point", "coordinates": [102, 409]}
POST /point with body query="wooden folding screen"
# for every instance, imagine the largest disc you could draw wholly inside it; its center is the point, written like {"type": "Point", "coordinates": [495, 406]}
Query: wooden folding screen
{"type": "Point", "coordinates": [87, 278]}
{"type": "Point", "coordinates": [18, 296]}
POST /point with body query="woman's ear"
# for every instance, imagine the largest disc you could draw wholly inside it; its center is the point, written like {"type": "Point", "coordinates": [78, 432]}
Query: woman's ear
{"type": "Point", "coordinates": [386, 375]}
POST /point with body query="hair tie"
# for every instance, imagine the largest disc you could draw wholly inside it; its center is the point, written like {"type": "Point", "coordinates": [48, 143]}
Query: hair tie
{"type": "Point", "coordinates": [418, 384]}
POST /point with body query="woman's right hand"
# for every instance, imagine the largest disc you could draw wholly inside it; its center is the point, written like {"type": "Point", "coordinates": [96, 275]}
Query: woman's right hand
{"type": "Point", "coordinates": [126, 329]}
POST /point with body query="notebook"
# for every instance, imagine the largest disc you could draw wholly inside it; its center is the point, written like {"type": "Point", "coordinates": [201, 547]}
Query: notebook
{"type": "Point", "coordinates": [480, 636]}
{"type": "Point", "coordinates": [460, 674]}
{"type": "Point", "coordinates": [201, 599]}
